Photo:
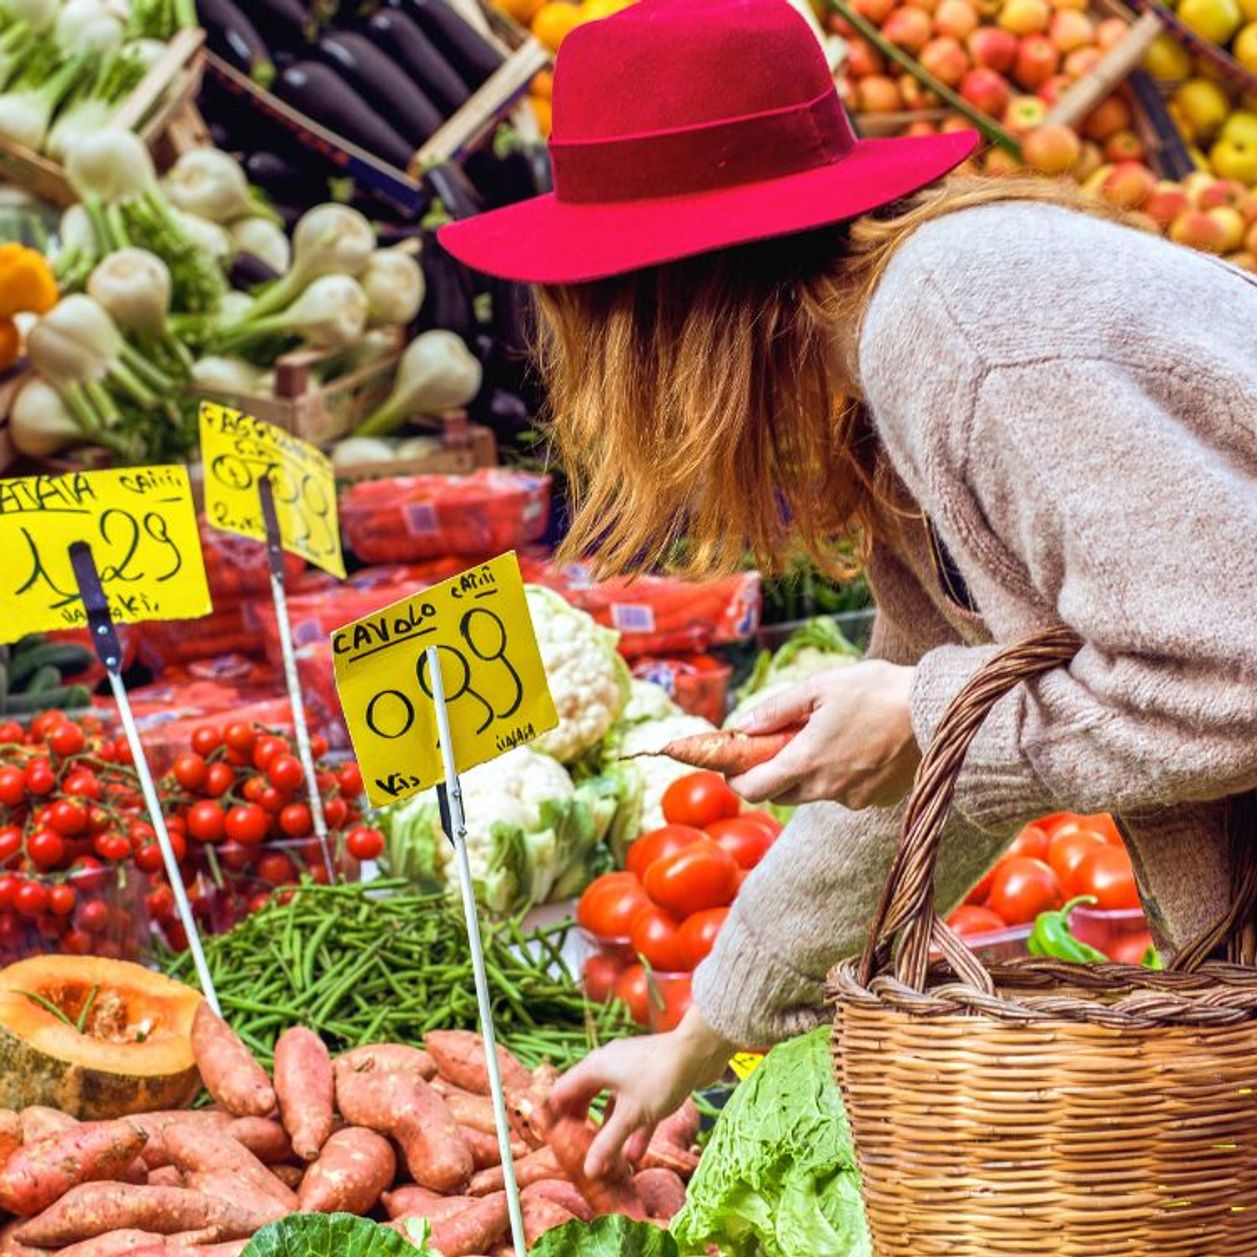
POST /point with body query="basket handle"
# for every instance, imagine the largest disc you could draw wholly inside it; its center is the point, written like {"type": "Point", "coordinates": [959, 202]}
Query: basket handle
{"type": "Point", "coordinates": [907, 901]}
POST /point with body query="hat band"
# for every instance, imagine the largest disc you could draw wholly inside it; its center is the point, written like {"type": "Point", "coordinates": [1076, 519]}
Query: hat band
{"type": "Point", "coordinates": [721, 154]}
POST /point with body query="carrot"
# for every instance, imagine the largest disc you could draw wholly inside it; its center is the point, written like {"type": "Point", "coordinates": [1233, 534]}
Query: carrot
{"type": "Point", "coordinates": [165, 1176]}
{"type": "Point", "coordinates": [662, 1192]}
{"type": "Point", "coordinates": [229, 1072]}
{"type": "Point", "coordinates": [473, 1229]}
{"type": "Point", "coordinates": [542, 1163]}
{"type": "Point", "coordinates": [388, 1057]}
{"type": "Point", "coordinates": [405, 1107]}
{"type": "Point", "coordinates": [93, 1209]}
{"type": "Point", "coordinates": [461, 1059]}
{"type": "Point", "coordinates": [229, 1185]}
{"type": "Point", "coordinates": [541, 1215]}
{"type": "Point", "coordinates": [36, 1121]}
{"type": "Point", "coordinates": [289, 1175]}
{"type": "Point", "coordinates": [726, 751]}
{"type": "Point", "coordinates": [562, 1193]}
{"type": "Point", "coordinates": [306, 1089]}
{"type": "Point", "coordinates": [411, 1201]}
{"type": "Point", "coordinates": [39, 1173]}
{"type": "Point", "coordinates": [353, 1168]}
{"type": "Point", "coordinates": [266, 1139]}
{"type": "Point", "coordinates": [570, 1138]}
{"type": "Point", "coordinates": [194, 1151]}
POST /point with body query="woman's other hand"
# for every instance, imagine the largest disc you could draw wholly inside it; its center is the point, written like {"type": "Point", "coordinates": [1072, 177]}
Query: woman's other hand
{"type": "Point", "coordinates": [856, 748]}
{"type": "Point", "coordinates": [649, 1079]}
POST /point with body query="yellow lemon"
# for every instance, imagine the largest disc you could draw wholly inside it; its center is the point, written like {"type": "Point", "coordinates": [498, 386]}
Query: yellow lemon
{"type": "Point", "coordinates": [1249, 9]}
{"type": "Point", "coordinates": [1215, 20]}
{"type": "Point", "coordinates": [1167, 60]}
{"type": "Point", "coordinates": [1205, 106]}
{"type": "Point", "coordinates": [554, 21]}
{"type": "Point", "coordinates": [542, 85]}
{"type": "Point", "coordinates": [522, 11]}
{"type": "Point", "coordinates": [1245, 47]}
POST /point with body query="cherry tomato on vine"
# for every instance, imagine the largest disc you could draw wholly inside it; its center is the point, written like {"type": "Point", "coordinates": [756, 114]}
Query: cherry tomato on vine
{"type": "Point", "coordinates": [12, 786]}
{"type": "Point", "coordinates": [94, 916]}
{"type": "Point", "coordinates": [295, 820]}
{"type": "Point", "coordinates": [350, 778]}
{"type": "Point", "coordinates": [46, 722]}
{"type": "Point", "coordinates": [148, 858]}
{"type": "Point", "coordinates": [318, 746]}
{"type": "Point", "coordinates": [161, 903]}
{"type": "Point", "coordinates": [122, 752]}
{"type": "Point", "coordinates": [275, 867]}
{"type": "Point", "coordinates": [240, 737]}
{"type": "Point", "coordinates": [68, 818]}
{"type": "Point", "coordinates": [274, 801]}
{"type": "Point", "coordinates": [205, 821]}
{"type": "Point", "coordinates": [219, 778]}
{"type": "Point", "coordinates": [335, 812]}
{"type": "Point", "coordinates": [206, 739]}
{"type": "Point", "coordinates": [67, 739]}
{"type": "Point", "coordinates": [31, 898]}
{"type": "Point", "coordinates": [8, 886]}
{"type": "Point", "coordinates": [253, 788]}
{"type": "Point", "coordinates": [190, 771]}
{"type": "Point", "coordinates": [45, 848]}
{"type": "Point", "coordinates": [40, 779]}
{"type": "Point", "coordinates": [698, 799]}
{"type": "Point", "coordinates": [246, 824]}
{"type": "Point", "coordinates": [285, 772]}
{"type": "Point", "coordinates": [235, 856]}
{"type": "Point", "coordinates": [365, 844]}
{"type": "Point", "coordinates": [658, 843]}
{"type": "Point", "coordinates": [83, 783]}
{"type": "Point", "coordinates": [76, 942]}
{"type": "Point", "coordinates": [61, 899]}
{"type": "Point", "coordinates": [267, 748]}
{"type": "Point", "coordinates": [10, 843]}
{"type": "Point", "coordinates": [11, 732]}
{"type": "Point", "coordinates": [259, 901]}
{"type": "Point", "coordinates": [112, 846]}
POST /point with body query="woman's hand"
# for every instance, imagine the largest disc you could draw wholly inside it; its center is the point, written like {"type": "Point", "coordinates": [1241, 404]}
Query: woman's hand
{"type": "Point", "coordinates": [857, 747]}
{"type": "Point", "coordinates": [648, 1078]}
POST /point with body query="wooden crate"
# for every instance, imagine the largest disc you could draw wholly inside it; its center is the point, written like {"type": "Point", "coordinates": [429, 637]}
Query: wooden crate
{"type": "Point", "coordinates": [465, 447]}
{"type": "Point", "coordinates": [172, 82]}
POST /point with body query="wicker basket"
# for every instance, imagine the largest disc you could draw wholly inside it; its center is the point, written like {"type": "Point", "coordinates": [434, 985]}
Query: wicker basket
{"type": "Point", "coordinates": [1040, 1107]}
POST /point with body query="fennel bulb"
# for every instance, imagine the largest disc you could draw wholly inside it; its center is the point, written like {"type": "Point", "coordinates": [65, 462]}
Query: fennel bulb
{"type": "Point", "coordinates": [40, 423]}
{"type": "Point", "coordinates": [330, 314]}
{"type": "Point", "coordinates": [393, 283]}
{"type": "Point", "coordinates": [265, 241]}
{"type": "Point", "coordinates": [436, 373]}
{"type": "Point", "coordinates": [134, 287]}
{"type": "Point", "coordinates": [209, 183]}
{"type": "Point", "coordinates": [38, 15]}
{"type": "Point", "coordinates": [88, 26]}
{"type": "Point", "coordinates": [230, 375]}
{"type": "Point", "coordinates": [110, 166]}
{"type": "Point", "coordinates": [26, 108]}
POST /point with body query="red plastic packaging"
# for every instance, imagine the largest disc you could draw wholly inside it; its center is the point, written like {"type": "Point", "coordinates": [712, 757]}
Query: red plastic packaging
{"type": "Point", "coordinates": [235, 565]}
{"type": "Point", "coordinates": [226, 630]}
{"type": "Point", "coordinates": [698, 684]}
{"type": "Point", "coordinates": [421, 517]}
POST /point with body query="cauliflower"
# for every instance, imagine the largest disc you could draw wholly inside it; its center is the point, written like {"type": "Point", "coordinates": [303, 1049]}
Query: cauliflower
{"type": "Point", "coordinates": [647, 701]}
{"type": "Point", "coordinates": [530, 831]}
{"type": "Point", "coordinates": [589, 682]}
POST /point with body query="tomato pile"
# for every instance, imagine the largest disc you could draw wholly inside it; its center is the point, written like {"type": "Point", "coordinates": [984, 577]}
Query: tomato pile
{"type": "Point", "coordinates": [656, 920]}
{"type": "Point", "coordinates": [238, 812]}
{"type": "Point", "coordinates": [70, 815]}
{"type": "Point", "coordinates": [1050, 862]}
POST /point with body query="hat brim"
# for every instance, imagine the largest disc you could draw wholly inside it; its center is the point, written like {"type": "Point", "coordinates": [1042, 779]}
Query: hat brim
{"type": "Point", "coordinates": [548, 241]}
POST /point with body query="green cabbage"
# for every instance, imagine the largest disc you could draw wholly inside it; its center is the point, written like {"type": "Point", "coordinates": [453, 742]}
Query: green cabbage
{"type": "Point", "coordinates": [612, 1236]}
{"type": "Point", "coordinates": [331, 1235]}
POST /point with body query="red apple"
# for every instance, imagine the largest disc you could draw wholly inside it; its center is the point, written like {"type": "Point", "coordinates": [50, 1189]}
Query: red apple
{"type": "Point", "coordinates": [1090, 160]}
{"type": "Point", "coordinates": [1110, 115]}
{"type": "Point", "coordinates": [986, 90]}
{"type": "Point", "coordinates": [957, 18]}
{"type": "Point", "coordinates": [1128, 185]}
{"type": "Point", "coordinates": [1052, 149]}
{"type": "Point", "coordinates": [916, 97]}
{"type": "Point", "coordinates": [1199, 229]}
{"type": "Point", "coordinates": [999, 161]}
{"type": "Point", "coordinates": [1166, 202]}
{"type": "Point", "coordinates": [1070, 30]}
{"type": "Point", "coordinates": [863, 59]}
{"type": "Point", "coordinates": [1222, 192]}
{"type": "Point", "coordinates": [1024, 113]}
{"type": "Point", "coordinates": [908, 29]}
{"type": "Point", "coordinates": [1025, 17]}
{"type": "Point", "coordinates": [1037, 59]}
{"type": "Point", "coordinates": [877, 11]}
{"type": "Point", "coordinates": [1123, 146]}
{"type": "Point", "coordinates": [1082, 61]}
{"type": "Point", "coordinates": [1248, 207]}
{"type": "Point", "coordinates": [945, 59]}
{"type": "Point", "coordinates": [993, 49]}
{"type": "Point", "coordinates": [1110, 33]}
{"type": "Point", "coordinates": [1051, 91]}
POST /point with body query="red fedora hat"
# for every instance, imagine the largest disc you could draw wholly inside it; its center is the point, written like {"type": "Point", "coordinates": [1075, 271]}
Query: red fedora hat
{"type": "Point", "coordinates": [682, 126]}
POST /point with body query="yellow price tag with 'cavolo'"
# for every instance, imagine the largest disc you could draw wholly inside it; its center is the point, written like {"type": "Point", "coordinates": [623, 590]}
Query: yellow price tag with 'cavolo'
{"type": "Point", "coordinates": [140, 524]}
{"type": "Point", "coordinates": [238, 451]}
{"type": "Point", "coordinates": [495, 683]}
{"type": "Point", "coordinates": [744, 1064]}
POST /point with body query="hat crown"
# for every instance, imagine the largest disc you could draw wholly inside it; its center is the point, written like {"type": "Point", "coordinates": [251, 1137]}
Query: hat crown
{"type": "Point", "coordinates": [665, 64]}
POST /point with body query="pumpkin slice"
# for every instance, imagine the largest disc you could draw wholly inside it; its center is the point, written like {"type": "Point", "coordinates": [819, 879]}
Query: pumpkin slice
{"type": "Point", "coordinates": [134, 1054]}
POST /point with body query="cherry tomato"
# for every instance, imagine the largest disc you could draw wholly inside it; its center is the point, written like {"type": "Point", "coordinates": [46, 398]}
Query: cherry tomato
{"type": "Point", "coordinates": [76, 942]}
{"type": "Point", "coordinates": [111, 846]}
{"type": "Point", "coordinates": [669, 1001]}
{"type": "Point", "coordinates": [8, 886]}
{"type": "Point", "coordinates": [365, 844]}
{"type": "Point", "coordinates": [12, 787]}
{"type": "Point", "coordinates": [1130, 949]}
{"type": "Point", "coordinates": [83, 783]}
{"type": "Point", "coordinates": [11, 732]}
{"type": "Point", "coordinates": [266, 749]}
{"type": "Point", "coordinates": [702, 876]}
{"type": "Point", "coordinates": [350, 779]}
{"type": "Point", "coordinates": [285, 772]}
{"type": "Point", "coordinates": [1031, 842]}
{"type": "Point", "coordinates": [219, 778]}
{"type": "Point", "coordinates": [698, 799]}
{"type": "Point", "coordinates": [1107, 874]}
{"type": "Point", "coordinates": [31, 898]}
{"type": "Point", "coordinates": [632, 990]}
{"type": "Point", "coordinates": [67, 739]}
{"type": "Point", "coordinates": [698, 935]}
{"type": "Point", "coordinates": [253, 788]}
{"type": "Point", "coordinates": [161, 903]}
{"type": "Point", "coordinates": [275, 867]}
{"type": "Point", "coordinates": [61, 900]}
{"type": "Point", "coordinates": [246, 824]}
{"type": "Point", "coordinates": [148, 858]}
{"type": "Point", "coordinates": [318, 746]}
{"type": "Point", "coordinates": [40, 779]}
{"type": "Point", "coordinates": [46, 848]}
{"type": "Point", "coordinates": [240, 737]}
{"type": "Point", "coordinates": [335, 812]}
{"type": "Point", "coordinates": [235, 856]}
{"type": "Point", "coordinates": [45, 723]}
{"type": "Point", "coordinates": [122, 752]}
{"type": "Point", "coordinates": [1067, 850]}
{"type": "Point", "coordinates": [747, 841]}
{"type": "Point", "coordinates": [10, 844]}
{"type": "Point", "coordinates": [257, 902]}
{"type": "Point", "coordinates": [206, 739]}
{"type": "Point", "coordinates": [598, 976]}
{"type": "Point", "coordinates": [655, 936]}
{"type": "Point", "coordinates": [658, 843]}
{"type": "Point", "coordinates": [272, 800]}
{"type": "Point", "coordinates": [1023, 888]}
{"type": "Point", "coordinates": [190, 771]}
{"type": "Point", "coordinates": [94, 916]}
{"type": "Point", "coordinates": [205, 821]}
{"type": "Point", "coordinates": [970, 921]}
{"type": "Point", "coordinates": [49, 926]}
{"type": "Point", "coordinates": [68, 818]}
{"type": "Point", "coordinates": [609, 903]}
{"type": "Point", "coordinates": [295, 820]}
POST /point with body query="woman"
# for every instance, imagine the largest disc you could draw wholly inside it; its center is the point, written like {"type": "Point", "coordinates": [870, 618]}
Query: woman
{"type": "Point", "coordinates": [1052, 418]}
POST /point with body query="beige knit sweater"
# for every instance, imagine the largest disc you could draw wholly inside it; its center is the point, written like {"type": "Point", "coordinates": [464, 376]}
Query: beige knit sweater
{"type": "Point", "coordinates": [1074, 405]}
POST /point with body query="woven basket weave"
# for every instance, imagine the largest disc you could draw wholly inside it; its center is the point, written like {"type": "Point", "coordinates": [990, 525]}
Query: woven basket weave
{"type": "Point", "coordinates": [1040, 1107]}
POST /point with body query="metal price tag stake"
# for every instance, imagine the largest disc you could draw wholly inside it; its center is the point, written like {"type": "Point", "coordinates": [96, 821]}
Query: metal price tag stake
{"type": "Point", "coordinates": [450, 795]}
{"type": "Point", "coordinates": [275, 560]}
{"type": "Point", "coordinates": [109, 650]}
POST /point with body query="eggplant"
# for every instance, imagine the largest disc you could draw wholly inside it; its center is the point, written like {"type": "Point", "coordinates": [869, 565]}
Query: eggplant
{"type": "Point", "coordinates": [465, 49]}
{"type": "Point", "coordinates": [279, 177]}
{"type": "Point", "coordinates": [381, 83]}
{"type": "Point", "coordinates": [284, 22]}
{"type": "Point", "coordinates": [233, 37]}
{"type": "Point", "coordinates": [449, 294]}
{"type": "Point", "coordinates": [454, 190]}
{"type": "Point", "coordinates": [321, 94]}
{"type": "Point", "coordinates": [506, 413]}
{"type": "Point", "coordinates": [248, 271]}
{"type": "Point", "coordinates": [396, 34]}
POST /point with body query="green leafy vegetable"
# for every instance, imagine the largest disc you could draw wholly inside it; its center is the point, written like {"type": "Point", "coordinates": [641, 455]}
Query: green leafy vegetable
{"type": "Point", "coordinates": [612, 1236]}
{"type": "Point", "coordinates": [331, 1235]}
{"type": "Point", "coordinates": [778, 1176]}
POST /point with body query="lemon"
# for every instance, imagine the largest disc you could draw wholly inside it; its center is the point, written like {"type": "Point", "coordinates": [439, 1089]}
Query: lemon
{"type": "Point", "coordinates": [1249, 9]}
{"type": "Point", "coordinates": [1215, 20]}
{"type": "Point", "coordinates": [1167, 60]}
{"type": "Point", "coordinates": [1205, 106]}
{"type": "Point", "coordinates": [1245, 47]}
{"type": "Point", "coordinates": [522, 11]}
{"type": "Point", "coordinates": [554, 21]}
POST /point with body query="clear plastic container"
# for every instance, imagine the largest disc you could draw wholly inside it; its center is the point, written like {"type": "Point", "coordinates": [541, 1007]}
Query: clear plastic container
{"type": "Point", "coordinates": [1120, 934]}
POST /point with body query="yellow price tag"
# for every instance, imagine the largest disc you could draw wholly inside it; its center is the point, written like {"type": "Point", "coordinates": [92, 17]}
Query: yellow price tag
{"type": "Point", "coordinates": [744, 1064]}
{"type": "Point", "coordinates": [237, 450]}
{"type": "Point", "coordinates": [140, 523]}
{"type": "Point", "coordinates": [495, 684]}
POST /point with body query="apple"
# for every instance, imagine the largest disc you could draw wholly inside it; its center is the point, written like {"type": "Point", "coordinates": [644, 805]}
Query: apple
{"type": "Point", "coordinates": [1248, 206]}
{"type": "Point", "coordinates": [945, 59]}
{"type": "Point", "coordinates": [1196, 184]}
{"type": "Point", "coordinates": [1091, 184]}
{"type": "Point", "coordinates": [1166, 202]}
{"type": "Point", "coordinates": [839, 25]}
{"type": "Point", "coordinates": [1214, 20]}
{"type": "Point", "coordinates": [1250, 238]}
{"type": "Point", "coordinates": [999, 161]}
{"type": "Point", "coordinates": [1036, 62]}
{"type": "Point", "coordinates": [863, 59]}
{"type": "Point", "coordinates": [1110, 32]}
{"type": "Point", "coordinates": [1051, 91]}
{"type": "Point", "coordinates": [927, 6]}
{"type": "Point", "coordinates": [993, 49]}
{"type": "Point", "coordinates": [1024, 113]}
{"type": "Point", "coordinates": [1111, 115]}
{"type": "Point", "coordinates": [908, 29]}
{"type": "Point", "coordinates": [1245, 259]}
{"type": "Point", "coordinates": [1082, 61]}
{"type": "Point", "coordinates": [957, 18]}
{"type": "Point", "coordinates": [1075, 6]}
{"type": "Point", "coordinates": [915, 96]}
{"type": "Point", "coordinates": [1232, 225]}
{"type": "Point", "coordinates": [1052, 149]}
{"type": "Point", "coordinates": [1071, 30]}
{"type": "Point", "coordinates": [922, 126]}
{"type": "Point", "coordinates": [877, 93]}
{"type": "Point", "coordinates": [1198, 229]}
{"type": "Point", "coordinates": [1089, 162]}
{"type": "Point", "coordinates": [1123, 146]}
{"type": "Point", "coordinates": [877, 11]}
{"type": "Point", "coordinates": [1025, 17]}
{"type": "Point", "coordinates": [986, 90]}
{"type": "Point", "coordinates": [1220, 192]}
{"type": "Point", "coordinates": [1128, 185]}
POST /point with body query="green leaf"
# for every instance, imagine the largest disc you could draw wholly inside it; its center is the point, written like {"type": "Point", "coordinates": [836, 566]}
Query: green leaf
{"type": "Point", "coordinates": [612, 1236]}
{"type": "Point", "coordinates": [331, 1235]}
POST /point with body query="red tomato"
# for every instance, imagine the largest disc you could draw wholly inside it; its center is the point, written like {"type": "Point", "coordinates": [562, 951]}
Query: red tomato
{"type": "Point", "coordinates": [148, 858]}
{"type": "Point", "coordinates": [190, 771]}
{"type": "Point", "coordinates": [82, 782]}
{"type": "Point", "coordinates": [12, 787]}
{"type": "Point", "coordinates": [970, 921]}
{"type": "Point", "coordinates": [8, 887]}
{"type": "Point", "coordinates": [265, 749]}
{"type": "Point", "coordinates": [46, 848]}
{"type": "Point", "coordinates": [698, 935]}
{"type": "Point", "coordinates": [205, 821]}
{"type": "Point", "coordinates": [272, 800]}
{"type": "Point", "coordinates": [335, 812]}
{"type": "Point", "coordinates": [206, 738]}
{"type": "Point", "coordinates": [659, 843]}
{"type": "Point", "coordinates": [1023, 888]}
{"type": "Point", "coordinates": [631, 989]}
{"type": "Point", "coordinates": [318, 745]}
{"type": "Point", "coordinates": [979, 894]}
{"type": "Point", "coordinates": [747, 841]}
{"type": "Point", "coordinates": [669, 1002]}
{"type": "Point", "coordinates": [45, 723]}
{"type": "Point", "coordinates": [702, 876]}
{"type": "Point", "coordinates": [365, 844]}
{"type": "Point", "coordinates": [219, 778]}
{"type": "Point", "coordinates": [39, 777]}
{"type": "Point", "coordinates": [609, 903]}
{"type": "Point", "coordinates": [68, 818]}
{"type": "Point", "coordinates": [253, 788]}
{"type": "Point", "coordinates": [31, 898]}
{"type": "Point", "coordinates": [1107, 874]}
{"type": "Point", "coordinates": [10, 845]}
{"type": "Point", "coordinates": [94, 916]}
{"type": "Point", "coordinates": [767, 819]}
{"type": "Point", "coordinates": [10, 732]}
{"type": "Point", "coordinates": [1031, 842]}
{"type": "Point", "coordinates": [1067, 850]}
{"type": "Point", "coordinates": [76, 942]}
{"type": "Point", "coordinates": [240, 737]}
{"type": "Point", "coordinates": [246, 824]}
{"type": "Point", "coordinates": [350, 778]}
{"type": "Point", "coordinates": [295, 820]}
{"type": "Point", "coordinates": [1130, 949]}
{"type": "Point", "coordinates": [275, 867]}
{"type": "Point", "coordinates": [1106, 827]}
{"type": "Point", "coordinates": [698, 799]}
{"type": "Point", "coordinates": [67, 739]}
{"type": "Point", "coordinates": [598, 976]}
{"type": "Point", "coordinates": [656, 937]}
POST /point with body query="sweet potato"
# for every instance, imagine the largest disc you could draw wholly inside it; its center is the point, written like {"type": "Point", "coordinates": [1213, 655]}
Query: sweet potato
{"type": "Point", "coordinates": [662, 1192]}
{"type": "Point", "coordinates": [228, 1069]}
{"type": "Point", "coordinates": [461, 1058]}
{"type": "Point", "coordinates": [229, 1185]}
{"type": "Point", "coordinates": [11, 1246]}
{"type": "Point", "coordinates": [542, 1215]}
{"type": "Point", "coordinates": [306, 1090]}
{"type": "Point", "coordinates": [116, 1242]}
{"type": "Point", "coordinates": [228, 1248]}
{"type": "Point", "coordinates": [193, 1151]}
{"type": "Point", "coordinates": [41, 1172]}
{"type": "Point", "coordinates": [570, 1138]}
{"type": "Point", "coordinates": [155, 1125]}
{"type": "Point", "coordinates": [354, 1167]}
{"type": "Point", "coordinates": [93, 1209]}
{"type": "Point", "coordinates": [727, 751]}
{"type": "Point", "coordinates": [405, 1107]}
{"type": "Point", "coordinates": [10, 1134]}
{"type": "Point", "coordinates": [289, 1175]}
{"type": "Point", "coordinates": [437, 1210]}
{"type": "Point", "coordinates": [537, 1165]}
{"type": "Point", "coordinates": [394, 1058]}
{"type": "Point", "coordinates": [562, 1192]}
{"type": "Point", "coordinates": [37, 1120]}
{"type": "Point", "coordinates": [165, 1176]}
{"type": "Point", "coordinates": [671, 1146]}
{"type": "Point", "coordinates": [484, 1148]}
{"type": "Point", "coordinates": [475, 1112]}
{"type": "Point", "coordinates": [265, 1138]}
{"type": "Point", "coordinates": [473, 1229]}
{"type": "Point", "coordinates": [529, 1109]}
{"type": "Point", "coordinates": [411, 1201]}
